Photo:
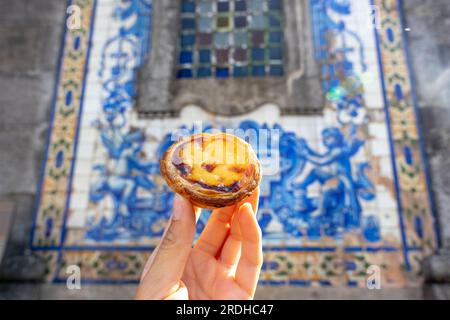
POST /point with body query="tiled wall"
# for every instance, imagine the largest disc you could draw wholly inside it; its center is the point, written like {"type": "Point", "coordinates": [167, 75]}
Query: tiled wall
{"type": "Point", "coordinates": [351, 191]}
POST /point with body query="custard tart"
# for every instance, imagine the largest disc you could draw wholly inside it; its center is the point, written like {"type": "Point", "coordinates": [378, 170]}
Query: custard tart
{"type": "Point", "coordinates": [211, 170]}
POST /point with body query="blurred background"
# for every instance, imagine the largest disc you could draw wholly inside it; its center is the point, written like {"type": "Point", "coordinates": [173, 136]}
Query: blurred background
{"type": "Point", "coordinates": [354, 95]}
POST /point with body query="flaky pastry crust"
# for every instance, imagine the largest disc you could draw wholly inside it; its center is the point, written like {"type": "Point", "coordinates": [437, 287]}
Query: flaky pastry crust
{"type": "Point", "coordinates": [211, 171]}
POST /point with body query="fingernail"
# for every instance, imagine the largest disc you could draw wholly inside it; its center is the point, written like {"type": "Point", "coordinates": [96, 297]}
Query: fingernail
{"type": "Point", "coordinates": [178, 208]}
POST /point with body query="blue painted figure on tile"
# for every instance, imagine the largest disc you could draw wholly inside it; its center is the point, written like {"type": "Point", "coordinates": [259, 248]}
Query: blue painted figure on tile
{"type": "Point", "coordinates": [122, 181]}
{"type": "Point", "coordinates": [337, 208]}
{"type": "Point", "coordinates": [127, 173]}
{"type": "Point", "coordinates": [326, 11]}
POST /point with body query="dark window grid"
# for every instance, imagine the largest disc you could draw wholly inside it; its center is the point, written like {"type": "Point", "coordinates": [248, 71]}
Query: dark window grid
{"type": "Point", "coordinates": [267, 62]}
{"type": "Point", "coordinates": [272, 69]}
{"type": "Point", "coordinates": [188, 6]}
{"type": "Point", "coordinates": [274, 20]}
{"type": "Point", "coordinates": [253, 8]}
{"type": "Point", "coordinates": [275, 38]}
{"type": "Point", "coordinates": [253, 34]}
{"type": "Point", "coordinates": [267, 25]}
{"type": "Point", "coordinates": [224, 6]}
{"type": "Point", "coordinates": [249, 9]}
{"type": "Point", "coordinates": [275, 4]}
{"type": "Point", "coordinates": [222, 18]}
{"type": "Point", "coordinates": [249, 12]}
{"type": "Point", "coordinates": [262, 58]}
{"type": "Point", "coordinates": [231, 60]}
{"type": "Point", "coordinates": [206, 24]}
{"type": "Point", "coordinates": [240, 5]}
{"type": "Point", "coordinates": [187, 40]}
{"type": "Point", "coordinates": [204, 56]}
{"type": "Point", "coordinates": [187, 46]}
{"type": "Point", "coordinates": [188, 23]}
{"type": "Point", "coordinates": [186, 65]}
{"type": "Point", "coordinates": [266, 31]}
{"type": "Point", "coordinates": [236, 62]}
{"type": "Point", "coordinates": [246, 39]}
{"type": "Point", "coordinates": [214, 64]}
{"type": "Point", "coordinates": [233, 6]}
{"type": "Point", "coordinates": [219, 7]}
{"type": "Point", "coordinates": [206, 8]}
{"type": "Point", "coordinates": [233, 14]}
{"type": "Point", "coordinates": [218, 36]}
{"type": "Point", "coordinates": [230, 19]}
{"type": "Point", "coordinates": [187, 16]}
{"type": "Point", "coordinates": [232, 41]}
{"type": "Point", "coordinates": [253, 70]}
{"type": "Point", "coordinates": [241, 21]}
{"type": "Point", "coordinates": [203, 72]}
{"type": "Point", "coordinates": [267, 59]}
{"type": "Point", "coordinates": [276, 54]}
{"type": "Point", "coordinates": [265, 46]}
{"type": "Point", "coordinates": [189, 10]}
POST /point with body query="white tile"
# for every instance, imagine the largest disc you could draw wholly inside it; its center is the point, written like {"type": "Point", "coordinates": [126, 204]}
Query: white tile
{"type": "Point", "coordinates": [386, 167]}
{"type": "Point", "coordinates": [378, 131]}
{"type": "Point", "coordinates": [79, 201]}
{"type": "Point", "coordinates": [379, 147]}
{"type": "Point", "coordinates": [76, 219]}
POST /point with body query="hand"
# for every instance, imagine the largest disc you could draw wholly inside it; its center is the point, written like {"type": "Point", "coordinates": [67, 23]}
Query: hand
{"type": "Point", "coordinates": [224, 264]}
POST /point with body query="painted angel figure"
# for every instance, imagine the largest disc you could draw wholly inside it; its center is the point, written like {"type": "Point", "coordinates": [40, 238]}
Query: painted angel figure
{"type": "Point", "coordinates": [338, 206]}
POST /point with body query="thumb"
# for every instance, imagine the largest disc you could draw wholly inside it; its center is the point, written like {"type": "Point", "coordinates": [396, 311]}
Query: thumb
{"type": "Point", "coordinates": [171, 254]}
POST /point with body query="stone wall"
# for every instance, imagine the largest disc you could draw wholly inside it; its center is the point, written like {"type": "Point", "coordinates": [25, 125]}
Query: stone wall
{"type": "Point", "coordinates": [30, 33]}
{"type": "Point", "coordinates": [430, 46]}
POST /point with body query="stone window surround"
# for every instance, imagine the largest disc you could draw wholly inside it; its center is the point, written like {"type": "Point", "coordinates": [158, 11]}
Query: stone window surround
{"type": "Point", "coordinates": [298, 92]}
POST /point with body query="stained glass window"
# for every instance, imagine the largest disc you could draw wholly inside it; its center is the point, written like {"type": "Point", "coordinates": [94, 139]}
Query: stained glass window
{"type": "Point", "coordinates": [231, 38]}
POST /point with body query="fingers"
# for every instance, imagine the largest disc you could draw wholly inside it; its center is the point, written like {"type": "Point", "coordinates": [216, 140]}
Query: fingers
{"type": "Point", "coordinates": [150, 260]}
{"type": "Point", "coordinates": [217, 229]}
{"type": "Point", "coordinates": [251, 256]}
{"type": "Point", "coordinates": [215, 232]}
{"type": "Point", "coordinates": [231, 250]}
{"type": "Point", "coordinates": [173, 251]}
{"type": "Point", "coordinates": [181, 293]}
{"type": "Point", "coordinates": [253, 199]}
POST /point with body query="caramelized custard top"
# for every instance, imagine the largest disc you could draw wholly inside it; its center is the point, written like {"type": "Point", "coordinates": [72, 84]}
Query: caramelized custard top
{"type": "Point", "coordinates": [219, 162]}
